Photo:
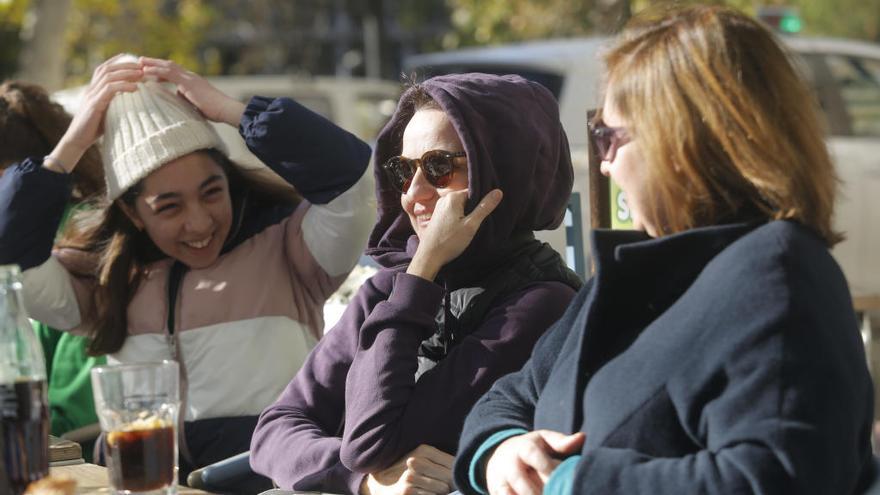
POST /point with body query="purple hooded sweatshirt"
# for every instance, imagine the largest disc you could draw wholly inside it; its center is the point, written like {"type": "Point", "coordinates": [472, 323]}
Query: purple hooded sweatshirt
{"type": "Point", "coordinates": [361, 402]}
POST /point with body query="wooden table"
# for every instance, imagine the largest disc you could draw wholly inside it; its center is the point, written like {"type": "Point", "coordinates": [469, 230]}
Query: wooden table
{"type": "Point", "coordinates": [91, 478]}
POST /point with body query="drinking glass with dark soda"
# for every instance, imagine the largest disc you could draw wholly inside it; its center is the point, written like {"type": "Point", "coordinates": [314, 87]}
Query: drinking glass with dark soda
{"type": "Point", "coordinates": [138, 406]}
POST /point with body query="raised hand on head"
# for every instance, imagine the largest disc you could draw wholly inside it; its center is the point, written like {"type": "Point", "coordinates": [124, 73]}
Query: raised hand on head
{"type": "Point", "coordinates": [111, 77]}
{"type": "Point", "coordinates": [214, 104]}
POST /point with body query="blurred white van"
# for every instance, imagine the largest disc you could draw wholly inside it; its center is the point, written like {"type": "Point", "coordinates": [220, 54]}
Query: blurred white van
{"type": "Point", "coordinates": [360, 106]}
{"type": "Point", "coordinates": [844, 74]}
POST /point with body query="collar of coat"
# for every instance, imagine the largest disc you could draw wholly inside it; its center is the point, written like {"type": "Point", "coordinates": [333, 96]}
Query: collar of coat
{"type": "Point", "coordinates": [659, 267]}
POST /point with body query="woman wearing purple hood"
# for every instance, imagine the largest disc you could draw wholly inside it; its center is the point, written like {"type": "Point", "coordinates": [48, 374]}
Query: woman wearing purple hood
{"type": "Point", "coordinates": [464, 293]}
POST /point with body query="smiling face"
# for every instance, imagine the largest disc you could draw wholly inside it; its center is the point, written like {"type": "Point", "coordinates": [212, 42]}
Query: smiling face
{"type": "Point", "coordinates": [430, 129]}
{"type": "Point", "coordinates": [628, 170]}
{"type": "Point", "coordinates": [185, 209]}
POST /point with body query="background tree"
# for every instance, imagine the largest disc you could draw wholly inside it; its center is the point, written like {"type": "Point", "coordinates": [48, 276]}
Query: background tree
{"type": "Point", "coordinates": [337, 37]}
{"type": "Point", "coordinates": [842, 18]}
{"type": "Point", "coordinates": [99, 29]}
{"type": "Point", "coordinates": [480, 22]}
{"type": "Point", "coordinates": [12, 13]}
{"type": "Point", "coordinates": [42, 56]}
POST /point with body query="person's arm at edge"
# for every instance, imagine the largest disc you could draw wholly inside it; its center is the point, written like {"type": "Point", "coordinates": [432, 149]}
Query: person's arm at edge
{"type": "Point", "coordinates": [32, 203]}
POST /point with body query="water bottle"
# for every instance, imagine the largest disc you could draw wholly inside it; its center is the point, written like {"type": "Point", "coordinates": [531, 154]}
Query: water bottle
{"type": "Point", "coordinates": [24, 411]}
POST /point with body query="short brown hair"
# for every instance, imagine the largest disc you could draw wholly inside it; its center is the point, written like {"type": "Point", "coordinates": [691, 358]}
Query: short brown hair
{"type": "Point", "coordinates": [725, 123]}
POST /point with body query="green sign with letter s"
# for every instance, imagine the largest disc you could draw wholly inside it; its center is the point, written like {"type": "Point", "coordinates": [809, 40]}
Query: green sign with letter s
{"type": "Point", "coordinates": [621, 217]}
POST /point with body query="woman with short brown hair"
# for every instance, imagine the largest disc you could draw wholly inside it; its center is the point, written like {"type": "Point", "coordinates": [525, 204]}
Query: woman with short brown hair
{"type": "Point", "coordinates": [716, 351]}
{"type": "Point", "coordinates": [723, 121]}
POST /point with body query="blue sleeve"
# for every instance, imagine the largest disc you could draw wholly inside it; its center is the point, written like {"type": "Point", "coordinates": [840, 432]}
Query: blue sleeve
{"type": "Point", "coordinates": [561, 480]}
{"type": "Point", "coordinates": [477, 469]}
{"type": "Point", "coordinates": [32, 203]}
{"type": "Point", "coordinates": [320, 159]}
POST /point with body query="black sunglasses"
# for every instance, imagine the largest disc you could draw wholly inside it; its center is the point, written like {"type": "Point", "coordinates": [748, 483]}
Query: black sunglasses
{"type": "Point", "coordinates": [437, 165]}
{"type": "Point", "coordinates": [608, 139]}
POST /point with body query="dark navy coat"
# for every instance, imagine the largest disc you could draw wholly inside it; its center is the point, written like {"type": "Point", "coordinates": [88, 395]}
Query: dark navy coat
{"type": "Point", "coordinates": [724, 359]}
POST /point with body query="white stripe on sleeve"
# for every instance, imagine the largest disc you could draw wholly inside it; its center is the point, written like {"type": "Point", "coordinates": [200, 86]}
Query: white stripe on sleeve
{"type": "Point", "coordinates": [336, 233]}
{"type": "Point", "coordinates": [49, 296]}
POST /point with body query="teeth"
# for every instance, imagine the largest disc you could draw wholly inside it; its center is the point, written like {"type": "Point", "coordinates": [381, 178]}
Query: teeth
{"type": "Point", "coordinates": [199, 244]}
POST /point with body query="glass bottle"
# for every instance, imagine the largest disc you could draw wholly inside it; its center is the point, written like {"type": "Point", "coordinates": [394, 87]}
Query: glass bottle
{"type": "Point", "coordinates": [24, 411]}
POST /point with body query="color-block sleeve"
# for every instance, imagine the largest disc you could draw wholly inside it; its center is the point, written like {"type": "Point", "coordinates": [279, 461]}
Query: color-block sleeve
{"type": "Point", "coordinates": [320, 159]}
{"type": "Point", "coordinates": [32, 203]}
{"type": "Point", "coordinates": [329, 167]}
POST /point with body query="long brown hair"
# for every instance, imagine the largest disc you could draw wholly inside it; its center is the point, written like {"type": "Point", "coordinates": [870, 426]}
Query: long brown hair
{"type": "Point", "coordinates": [31, 124]}
{"type": "Point", "coordinates": [120, 254]}
{"type": "Point", "coordinates": [725, 123]}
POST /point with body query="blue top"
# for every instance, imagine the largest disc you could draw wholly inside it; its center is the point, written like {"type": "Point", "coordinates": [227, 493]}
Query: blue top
{"type": "Point", "coordinates": [723, 359]}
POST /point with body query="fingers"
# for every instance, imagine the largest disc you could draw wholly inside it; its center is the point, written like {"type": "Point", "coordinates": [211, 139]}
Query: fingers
{"type": "Point", "coordinates": [167, 70]}
{"type": "Point", "coordinates": [170, 73]}
{"type": "Point", "coordinates": [106, 93]}
{"type": "Point", "coordinates": [563, 444]}
{"type": "Point", "coordinates": [130, 72]}
{"type": "Point", "coordinates": [524, 481]}
{"type": "Point", "coordinates": [414, 477]}
{"type": "Point", "coordinates": [508, 471]}
{"type": "Point", "coordinates": [110, 74]}
{"type": "Point", "coordinates": [538, 456]}
{"type": "Point", "coordinates": [434, 454]}
{"type": "Point", "coordinates": [156, 62]}
{"type": "Point", "coordinates": [430, 469]}
{"type": "Point", "coordinates": [107, 64]}
{"type": "Point", "coordinates": [485, 207]}
{"type": "Point", "coordinates": [161, 66]}
{"type": "Point", "coordinates": [502, 489]}
{"type": "Point", "coordinates": [121, 75]}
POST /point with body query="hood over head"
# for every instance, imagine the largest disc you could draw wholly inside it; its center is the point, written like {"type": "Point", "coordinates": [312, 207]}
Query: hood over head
{"type": "Point", "coordinates": [514, 141]}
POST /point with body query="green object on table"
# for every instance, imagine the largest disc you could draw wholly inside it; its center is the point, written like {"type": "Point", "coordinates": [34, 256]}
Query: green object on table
{"type": "Point", "coordinates": [71, 404]}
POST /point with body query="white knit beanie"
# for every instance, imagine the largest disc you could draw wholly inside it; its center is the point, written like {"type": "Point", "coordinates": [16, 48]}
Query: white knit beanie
{"type": "Point", "coordinates": [148, 128]}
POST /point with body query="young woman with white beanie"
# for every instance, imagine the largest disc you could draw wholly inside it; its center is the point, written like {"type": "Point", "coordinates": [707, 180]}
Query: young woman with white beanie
{"type": "Point", "coordinates": [190, 256]}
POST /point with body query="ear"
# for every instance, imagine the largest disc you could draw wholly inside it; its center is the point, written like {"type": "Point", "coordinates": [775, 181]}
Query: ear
{"type": "Point", "coordinates": [132, 215]}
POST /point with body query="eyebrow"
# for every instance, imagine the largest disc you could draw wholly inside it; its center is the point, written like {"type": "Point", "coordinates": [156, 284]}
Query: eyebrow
{"type": "Point", "coordinates": [171, 195]}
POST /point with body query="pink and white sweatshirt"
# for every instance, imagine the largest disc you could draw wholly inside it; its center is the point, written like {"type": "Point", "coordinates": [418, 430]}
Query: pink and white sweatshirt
{"type": "Point", "coordinates": [246, 324]}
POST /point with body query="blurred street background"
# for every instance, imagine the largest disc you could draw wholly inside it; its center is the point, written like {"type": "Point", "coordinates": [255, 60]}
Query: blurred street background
{"type": "Point", "coordinates": [346, 59]}
{"type": "Point", "coordinates": [57, 43]}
